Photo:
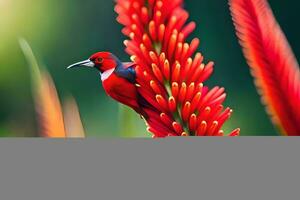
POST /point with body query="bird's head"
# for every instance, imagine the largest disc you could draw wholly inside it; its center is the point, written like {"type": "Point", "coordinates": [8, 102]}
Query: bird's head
{"type": "Point", "coordinates": [102, 61]}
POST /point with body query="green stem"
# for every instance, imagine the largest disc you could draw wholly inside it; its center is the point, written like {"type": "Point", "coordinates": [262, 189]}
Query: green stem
{"type": "Point", "coordinates": [176, 114]}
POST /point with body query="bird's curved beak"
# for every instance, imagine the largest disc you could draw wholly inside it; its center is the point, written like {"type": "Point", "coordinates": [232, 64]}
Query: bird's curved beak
{"type": "Point", "coordinates": [85, 63]}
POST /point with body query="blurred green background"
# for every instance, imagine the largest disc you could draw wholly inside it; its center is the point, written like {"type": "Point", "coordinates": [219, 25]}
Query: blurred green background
{"type": "Point", "coordinates": [62, 32]}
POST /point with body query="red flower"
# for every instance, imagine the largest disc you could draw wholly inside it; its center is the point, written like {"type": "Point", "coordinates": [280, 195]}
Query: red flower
{"type": "Point", "coordinates": [170, 75]}
{"type": "Point", "coordinates": [271, 60]}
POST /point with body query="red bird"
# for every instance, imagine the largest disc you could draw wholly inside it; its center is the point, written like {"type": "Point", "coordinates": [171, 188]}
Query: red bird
{"type": "Point", "coordinates": [118, 79]}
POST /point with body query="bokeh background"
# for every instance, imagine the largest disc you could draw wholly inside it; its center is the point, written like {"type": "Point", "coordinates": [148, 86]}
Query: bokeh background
{"type": "Point", "coordinates": [65, 31]}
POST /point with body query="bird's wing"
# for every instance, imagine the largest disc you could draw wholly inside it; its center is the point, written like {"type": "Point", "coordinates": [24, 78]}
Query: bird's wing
{"type": "Point", "coordinates": [126, 71]}
{"type": "Point", "coordinates": [128, 64]}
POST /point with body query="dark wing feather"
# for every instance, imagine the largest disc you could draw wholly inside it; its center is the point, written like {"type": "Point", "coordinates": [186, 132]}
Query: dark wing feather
{"type": "Point", "coordinates": [126, 71]}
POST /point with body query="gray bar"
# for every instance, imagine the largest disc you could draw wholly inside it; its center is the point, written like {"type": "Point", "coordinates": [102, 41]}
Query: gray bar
{"type": "Point", "coordinates": [243, 168]}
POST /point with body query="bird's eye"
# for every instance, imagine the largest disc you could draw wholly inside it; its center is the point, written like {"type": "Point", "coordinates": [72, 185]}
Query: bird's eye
{"type": "Point", "coordinates": [100, 60]}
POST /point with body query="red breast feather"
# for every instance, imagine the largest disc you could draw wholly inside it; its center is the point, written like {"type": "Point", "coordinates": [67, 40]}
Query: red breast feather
{"type": "Point", "coordinates": [122, 91]}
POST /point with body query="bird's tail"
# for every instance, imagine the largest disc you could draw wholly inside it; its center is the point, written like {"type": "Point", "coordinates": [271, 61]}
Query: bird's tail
{"type": "Point", "coordinates": [145, 107]}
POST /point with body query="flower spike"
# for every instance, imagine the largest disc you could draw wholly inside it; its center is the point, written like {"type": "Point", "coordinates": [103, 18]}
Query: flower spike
{"type": "Point", "coordinates": [169, 71]}
{"type": "Point", "coordinates": [271, 61]}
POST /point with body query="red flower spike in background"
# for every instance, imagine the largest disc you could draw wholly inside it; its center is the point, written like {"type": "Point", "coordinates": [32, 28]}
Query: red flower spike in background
{"type": "Point", "coordinates": [271, 60]}
{"type": "Point", "coordinates": [169, 74]}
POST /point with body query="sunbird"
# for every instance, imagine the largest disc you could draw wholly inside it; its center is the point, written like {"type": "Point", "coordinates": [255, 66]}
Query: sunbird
{"type": "Point", "coordinates": [118, 79]}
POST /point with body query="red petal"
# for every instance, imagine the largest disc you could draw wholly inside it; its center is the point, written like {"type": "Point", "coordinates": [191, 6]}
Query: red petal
{"type": "Point", "coordinates": [186, 111]}
{"type": "Point", "coordinates": [166, 70]}
{"type": "Point", "coordinates": [193, 122]}
{"type": "Point", "coordinates": [172, 104]}
{"type": "Point", "coordinates": [162, 102]}
{"type": "Point", "coordinates": [201, 131]}
{"type": "Point", "coordinates": [182, 92]}
{"type": "Point", "coordinates": [175, 89]}
{"type": "Point", "coordinates": [176, 73]}
{"type": "Point", "coordinates": [177, 128]}
{"type": "Point", "coordinates": [157, 73]}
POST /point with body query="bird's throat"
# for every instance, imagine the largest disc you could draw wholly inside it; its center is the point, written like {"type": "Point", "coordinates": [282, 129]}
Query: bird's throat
{"type": "Point", "coordinates": [105, 75]}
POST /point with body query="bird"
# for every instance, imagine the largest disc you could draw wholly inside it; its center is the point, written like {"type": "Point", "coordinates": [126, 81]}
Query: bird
{"type": "Point", "coordinates": [118, 79]}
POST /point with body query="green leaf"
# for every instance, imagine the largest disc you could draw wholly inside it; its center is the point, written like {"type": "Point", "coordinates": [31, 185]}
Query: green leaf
{"type": "Point", "coordinates": [34, 67]}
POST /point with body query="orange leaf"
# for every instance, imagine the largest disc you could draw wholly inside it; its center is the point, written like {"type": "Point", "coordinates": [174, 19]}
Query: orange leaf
{"type": "Point", "coordinates": [49, 109]}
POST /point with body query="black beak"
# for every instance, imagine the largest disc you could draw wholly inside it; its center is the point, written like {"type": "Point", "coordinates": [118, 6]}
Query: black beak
{"type": "Point", "coordinates": [85, 63]}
